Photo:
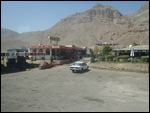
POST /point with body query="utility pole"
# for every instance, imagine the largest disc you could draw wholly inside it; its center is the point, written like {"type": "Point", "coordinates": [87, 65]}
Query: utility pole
{"type": "Point", "coordinates": [49, 37]}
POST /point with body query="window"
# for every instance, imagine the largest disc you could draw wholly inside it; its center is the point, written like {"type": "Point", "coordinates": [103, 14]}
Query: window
{"type": "Point", "coordinates": [41, 50]}
{"type": "Point", "coordinates": [34, 50]}
{"type": "Point", "coordinates": [84, 64]}
{"type": "Point", "coordinates": [47, 52]}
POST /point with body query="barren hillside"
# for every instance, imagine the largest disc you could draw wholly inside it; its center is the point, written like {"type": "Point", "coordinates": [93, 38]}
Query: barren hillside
{"type": "Point", "coordinates": [138, 30]}
{"type": "Point", "coordinates": [7, 33]}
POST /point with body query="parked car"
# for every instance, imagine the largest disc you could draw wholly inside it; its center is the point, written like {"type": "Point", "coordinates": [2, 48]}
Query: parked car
{"type": "Point", "coordinates": [79, 66]}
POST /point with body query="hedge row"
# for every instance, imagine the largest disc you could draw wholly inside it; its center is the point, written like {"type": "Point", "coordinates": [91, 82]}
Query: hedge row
{"type": "Point", "coordinates": [145, 58]}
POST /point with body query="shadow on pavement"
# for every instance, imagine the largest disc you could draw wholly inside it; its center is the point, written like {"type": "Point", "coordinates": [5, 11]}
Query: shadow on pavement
{"type": "Point", "coordinates": [85, 71]}
{"type": "Point", "coordinates": [15, 69]}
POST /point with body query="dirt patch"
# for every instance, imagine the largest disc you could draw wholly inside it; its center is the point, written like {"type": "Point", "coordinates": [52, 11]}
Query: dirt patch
{"type": "Point", "coordinates": [144, 68]}
{"type": "Point", "coordinates": [58, 89]}
{"type": "Point", "coordinates": [94, 99]}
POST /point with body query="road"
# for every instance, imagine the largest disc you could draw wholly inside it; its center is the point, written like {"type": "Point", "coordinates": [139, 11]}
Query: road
{"type": "Point", "coordinates": [59, 90]}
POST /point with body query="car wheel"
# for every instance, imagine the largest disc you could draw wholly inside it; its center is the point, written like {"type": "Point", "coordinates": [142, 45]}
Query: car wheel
{"type": "Point", "coordinates": [73, 71]}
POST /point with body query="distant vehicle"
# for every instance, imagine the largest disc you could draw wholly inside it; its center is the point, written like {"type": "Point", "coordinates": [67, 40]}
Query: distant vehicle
{"type": "Point", "coordinates": [79, 66]}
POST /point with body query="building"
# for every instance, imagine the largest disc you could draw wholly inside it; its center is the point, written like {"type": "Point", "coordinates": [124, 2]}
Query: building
{"type": "Point", "coordinates": [55, 52]}
{"type": "Point", "coordinates": [12, 53]}
{"type": "Point", "coordinates": [140, 50]}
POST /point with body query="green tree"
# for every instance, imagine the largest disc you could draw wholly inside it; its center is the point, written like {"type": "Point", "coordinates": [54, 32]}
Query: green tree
{"type": "Point", "coordinates": [97, 51]}
{"type": "Point", "coordinates": [92, 55]}
{"type": "Point", "coordinates": [134, 44]}
{"type": "Point", "coordinates": [106, 50]}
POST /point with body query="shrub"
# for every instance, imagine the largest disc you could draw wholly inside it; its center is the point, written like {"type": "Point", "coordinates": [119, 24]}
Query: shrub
{"type": "Point", "coordinates": [123, 57]}
{"type": "Point", "coordinates": [106, 50]}
{"type": "Point", "coordinates": [134, 44]}
{"type": "Point", "coordinates": [110, 57]}
{"type": "Point", "coordinates": [102, 58]}
{"type": "Point", "coordinates": [92, 56]}
{"type": "Point", "coordinates": [145, 58]}
{"type": "Point", "coordinates": [92, 59]}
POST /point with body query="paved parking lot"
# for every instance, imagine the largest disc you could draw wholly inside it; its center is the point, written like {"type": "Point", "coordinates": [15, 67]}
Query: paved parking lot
{"type": "Point", "coordinates": [58, 89]}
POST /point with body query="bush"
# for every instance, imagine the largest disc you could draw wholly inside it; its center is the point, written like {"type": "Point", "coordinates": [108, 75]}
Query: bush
{"type": "Point", "coordinates": [110, 57]}
{"type": "Point", "coordinates": [92, 55]}
{"type": "Point", "coordinates": [145, 58]}
{"type": "Point", "coordinates": [92, 59]}
{"type": "Point", "coordinates": [106, 50]}
{"type": "Point", "coordinates": [123, 57]}
{"type": "Point", "coordinates": [102, 58]}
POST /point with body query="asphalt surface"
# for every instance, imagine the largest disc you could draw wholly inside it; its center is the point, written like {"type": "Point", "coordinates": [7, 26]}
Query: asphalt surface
{"type": "Point", "coordinates": [58, 89]}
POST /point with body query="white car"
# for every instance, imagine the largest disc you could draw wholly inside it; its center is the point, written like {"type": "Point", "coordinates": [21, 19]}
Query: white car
{"type": "Point", "coordinates": [79, 66]}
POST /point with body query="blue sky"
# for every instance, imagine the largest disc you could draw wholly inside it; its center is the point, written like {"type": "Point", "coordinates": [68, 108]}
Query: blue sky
{"type": "Point", "coordinates": [25, 16]}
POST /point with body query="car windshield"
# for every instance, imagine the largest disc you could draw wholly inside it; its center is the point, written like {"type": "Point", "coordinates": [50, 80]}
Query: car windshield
{"type": "Point", "coordinates": [78, 64]}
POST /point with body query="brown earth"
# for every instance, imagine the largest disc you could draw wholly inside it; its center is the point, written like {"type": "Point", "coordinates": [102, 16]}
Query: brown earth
{"type": "Point", "coordinates": [132, 67]}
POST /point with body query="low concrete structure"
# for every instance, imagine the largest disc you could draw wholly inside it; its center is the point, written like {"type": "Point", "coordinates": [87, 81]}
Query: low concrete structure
{"type": "Point", "coordinates": [141, 50]}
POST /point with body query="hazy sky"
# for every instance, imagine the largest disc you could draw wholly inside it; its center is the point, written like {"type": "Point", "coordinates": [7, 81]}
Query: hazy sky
{"type": "Point", "coordinates": [25, 16]}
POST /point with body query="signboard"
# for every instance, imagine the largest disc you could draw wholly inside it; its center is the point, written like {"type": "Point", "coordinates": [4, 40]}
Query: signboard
{"type": "Point", "coordinates": [53, 38]}
{"type": "Point", "coordinates": [56, 47]}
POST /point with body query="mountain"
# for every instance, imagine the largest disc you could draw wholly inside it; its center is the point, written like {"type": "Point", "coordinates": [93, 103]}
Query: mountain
{"type": "Point", "coordinates": [98, 24]}
{"type": "Point", "coordinates": [21, 40]}
{"type": "Point", "coordinates": [138, 30]}
{"type": "Point", "coordinates": [106, 23]}
{"type": "Point", "coordinates": [8, 40]}
{"type": "Point", "coordinates": [7, 32]}
{"type": "Point", "coordinates": [86, 28]}
{"type": "Point", "coordinates": [142, 15]}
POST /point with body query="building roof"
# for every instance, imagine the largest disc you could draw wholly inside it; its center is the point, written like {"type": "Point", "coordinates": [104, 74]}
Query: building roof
{"type": "Point", "coordinates": [140, 47]}
{"type": "Point", "coordinates": [17, 50]}
{"type": "Point", "coordinates": [55, 47]}
{"type": "Point", "coordinates": [79, 62]}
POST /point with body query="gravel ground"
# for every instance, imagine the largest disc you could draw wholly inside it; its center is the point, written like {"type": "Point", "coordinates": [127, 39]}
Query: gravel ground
{"type": "Point", "coordinates": [58, 89]}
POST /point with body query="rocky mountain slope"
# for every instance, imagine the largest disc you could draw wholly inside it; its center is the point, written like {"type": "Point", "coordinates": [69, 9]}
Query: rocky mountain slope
{"type": "Point", "coordinates": [86, 28]}
{"type": "Point", "coordinates": [98, 24]}
{"type": "Point", "coordinates": [8, 32]}
{"type": "Point", "coordinates": [138, 30]}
